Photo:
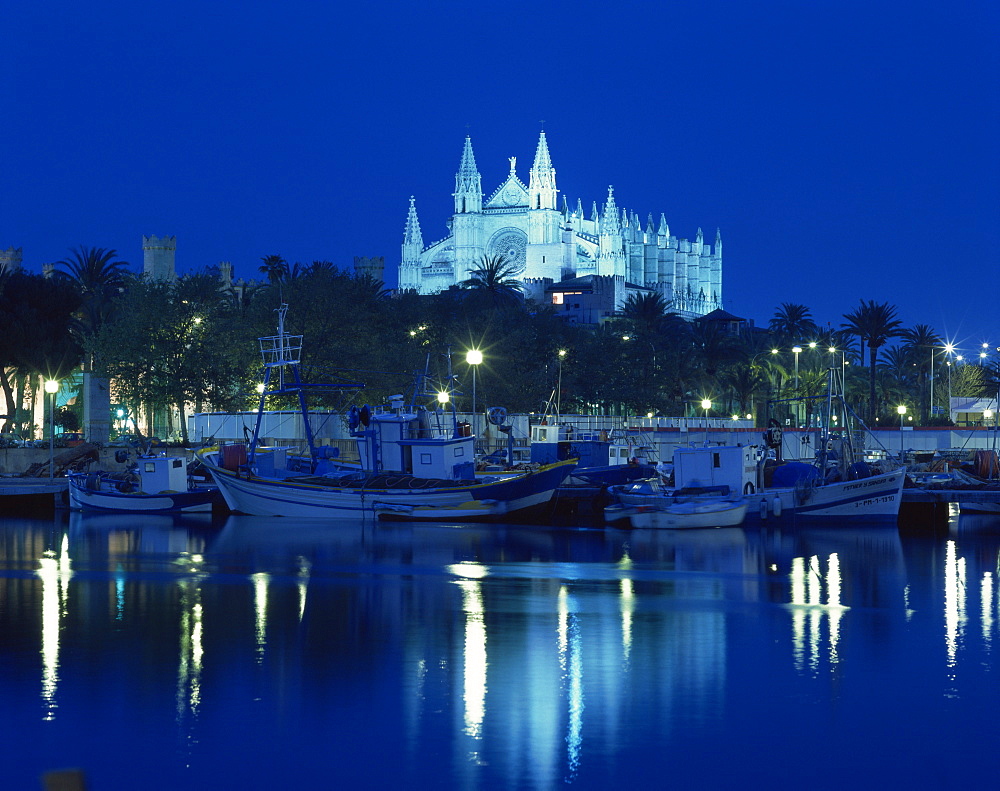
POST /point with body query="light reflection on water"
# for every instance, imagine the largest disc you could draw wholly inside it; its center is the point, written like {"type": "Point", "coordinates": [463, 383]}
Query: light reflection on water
{"type": "Point", "coordinates": [272, 652]}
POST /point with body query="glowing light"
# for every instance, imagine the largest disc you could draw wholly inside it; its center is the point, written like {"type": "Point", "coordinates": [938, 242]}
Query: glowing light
{"type": "Point", "coordinates": [474, 654]}
{"type": "Point", "coordinates": [442, 397]}
{"type": "Point", "coordinates": [51, 386]}
{"type": "Point", "coordinates": [473, 357]}
{"type": "Point", "coordinates": [260, 581]}
{"type": "Point", "coordinates": [954, 602]}
{"type": "Point", "coordinates": [627, 598]}
{"type": "Point", "coordinates": [468, 569]}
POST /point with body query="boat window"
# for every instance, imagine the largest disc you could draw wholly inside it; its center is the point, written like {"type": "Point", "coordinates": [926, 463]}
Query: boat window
{"type": "Point", "coordinates": [176, 463]}
{"type": "Point", "coordinates": [459, 451]}
{"type": "Point", "coordinates": [541, 435]}
{"type": "Point", "coordinates": [716, 462]}
{"type": "Point", "coordinates": [150, 466]}
{"type": "Point", "coordinates": [425, 458]}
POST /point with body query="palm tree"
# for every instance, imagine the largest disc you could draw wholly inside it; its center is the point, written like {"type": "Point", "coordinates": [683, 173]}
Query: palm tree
{"type": "Point", "coordinates": [496, 279]}
{"type": "Point", "coordinates": [874, 323]}
{"type": "Point", "coordinates": [793, 322]}
{"type": "Point", "coordinates": [99, 278]}
{"type": "Point", "coordinates": [921, 341]}
{"type": "Point", "coordinates": [645, 313]}
{"type": "Point", "coordinates": [275, 267]}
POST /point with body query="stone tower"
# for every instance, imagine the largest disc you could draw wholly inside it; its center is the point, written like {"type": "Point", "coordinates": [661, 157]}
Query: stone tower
{"type": "Point", "coordinates": [10, 259]}
{"type": "Point", "coordinates": [158, 257]}
{"type": "Point", "coordinates": [374, 267]}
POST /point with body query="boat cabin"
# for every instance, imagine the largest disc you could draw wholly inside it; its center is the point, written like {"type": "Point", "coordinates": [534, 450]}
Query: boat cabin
{"type": "Point", "coordinates": [593, 448]}
{"type": "Point", "coordinates": [734, 466]}
{"type": "Point", "coordinates": [162, 474]}
{"type": "Point", "coordinates": [418, 442]}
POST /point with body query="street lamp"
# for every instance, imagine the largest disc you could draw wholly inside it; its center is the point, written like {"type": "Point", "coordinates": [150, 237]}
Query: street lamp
{"type": "Point", "coordinates": [706, 405]}
{"type": "Point", "coordinates": [474, 357]}
{"type": "Point", "coordinates": [52, 387]}
{"type": "Point", "coordinates": [562, 353]}
{"type": "Point", "coordinates": [901, 409]}
{"type": "Point", "coordinates": [796, 350]}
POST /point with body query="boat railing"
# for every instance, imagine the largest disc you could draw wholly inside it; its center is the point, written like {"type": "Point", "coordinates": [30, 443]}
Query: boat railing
{"type": "Point", "coordinates": [283, 349]}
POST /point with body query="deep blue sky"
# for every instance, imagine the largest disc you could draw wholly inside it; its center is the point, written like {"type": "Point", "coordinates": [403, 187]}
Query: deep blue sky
{"type": "Point", "coordinates": [847, 150]}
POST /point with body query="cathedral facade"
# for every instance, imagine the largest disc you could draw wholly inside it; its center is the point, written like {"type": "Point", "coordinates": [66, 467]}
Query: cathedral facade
{"type": "Point", "coordinates": [527, 224]}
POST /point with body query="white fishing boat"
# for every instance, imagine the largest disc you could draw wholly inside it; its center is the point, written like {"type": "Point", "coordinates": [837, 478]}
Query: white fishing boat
{"type": "Point", "coordinates": [415, 463]}
{"type": "Point", "coordinates": [836, 486]}
{"type": "Point", "coordinates": [684, 513]}
{"type": "Point", "coordinates": [150, 484]}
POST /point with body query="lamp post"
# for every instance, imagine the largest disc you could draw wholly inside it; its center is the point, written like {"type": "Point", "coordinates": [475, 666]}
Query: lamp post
{"type": "Point", "coordinates": [949, 349]}
{"type": "Point", "coordinates": [52, 387]}
{"type": "Point", "coordinates": [706, 405]}
{"type": "Point", "coordinates": [796, 350]}
{"type": "Point", "coordinates": [930, 406]}
{"type": "Point", "coordinates": [474, 357]}
{"type": "Point", "coordinates": [562, 353]}
{"type": "Point", "coordinates": [901, 409]}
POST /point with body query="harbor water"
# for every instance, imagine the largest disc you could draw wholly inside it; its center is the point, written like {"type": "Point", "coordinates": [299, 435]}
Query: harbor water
{"type": "Point", "coordinates": [158, 652]}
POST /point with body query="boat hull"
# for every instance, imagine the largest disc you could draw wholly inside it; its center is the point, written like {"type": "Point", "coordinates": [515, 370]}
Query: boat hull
{"type": "Point", "coordinates": [301, 497]}
{"type": "Point", "coordinates": [875, 499]}
{"type": "Point", "coordinates": [81, 496]}
{"type": "Point", "coordinates": [680, 516]}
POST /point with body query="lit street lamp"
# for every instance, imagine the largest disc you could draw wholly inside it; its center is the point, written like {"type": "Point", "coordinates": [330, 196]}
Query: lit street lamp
{"type": "Point", "coordinates": [474, 357]}
{"type": "Point", "coordinates": [706, 405]}
{"type": "Point", "coordinates": [562, 353]}
{"type": "Point", "coordinates": [796, 350]}
{"type": "Point", "coordinates": [52, 387]}
{"type": "Point", "coordinates": [901, 409]}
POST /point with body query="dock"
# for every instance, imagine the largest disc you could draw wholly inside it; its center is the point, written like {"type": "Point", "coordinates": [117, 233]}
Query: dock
{"type": "Point", "coordinates": [30, 487]}
{"type": "Point", "coordinates": [922, 495]}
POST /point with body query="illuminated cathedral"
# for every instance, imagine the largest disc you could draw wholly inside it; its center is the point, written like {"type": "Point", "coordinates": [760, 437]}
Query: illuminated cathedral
{"type": "Point", "coordinates": [556, 244]}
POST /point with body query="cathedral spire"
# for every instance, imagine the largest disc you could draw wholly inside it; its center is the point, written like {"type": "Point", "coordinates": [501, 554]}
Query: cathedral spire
{"type": "Point", "coordinates": [411, 233]}
{"type": "Point", "coordinates": [413, 245]}
{"type": "Point", "coordinates": [542, 183]}
{"type": "Point", "coordinates": [610, 223]}
{"type": "Point", "coordinates": [664, 229]}
{"type": "Point", "coordinates": [468, 184]}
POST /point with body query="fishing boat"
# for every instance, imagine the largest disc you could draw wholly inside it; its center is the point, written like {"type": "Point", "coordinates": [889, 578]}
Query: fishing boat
{"type": "Point", "coordinates": [415, 463]}
{"type": "Point", "coordinates": [681, 512]}
{"type": "Point", "coordinates": [150, 484]}
{"type": "Point", "coordinates": [836, 486]}
{"type": "Point", "coordinates": [605, 457]}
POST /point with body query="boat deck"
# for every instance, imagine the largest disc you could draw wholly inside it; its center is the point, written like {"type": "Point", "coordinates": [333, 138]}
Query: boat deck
{"type": "Point", "coordinates": [380, 481]}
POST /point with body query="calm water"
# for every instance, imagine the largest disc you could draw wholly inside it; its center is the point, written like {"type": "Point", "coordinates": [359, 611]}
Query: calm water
{"type": "Point", "coordinates": [161, 653]}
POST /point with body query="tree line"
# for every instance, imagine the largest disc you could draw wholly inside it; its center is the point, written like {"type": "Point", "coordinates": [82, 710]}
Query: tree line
{"type": "Point", "coordinates": [192, 344]}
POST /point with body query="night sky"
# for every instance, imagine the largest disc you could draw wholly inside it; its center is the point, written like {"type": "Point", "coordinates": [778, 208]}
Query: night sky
{"type": "Point", "coordinates": [847, 150]}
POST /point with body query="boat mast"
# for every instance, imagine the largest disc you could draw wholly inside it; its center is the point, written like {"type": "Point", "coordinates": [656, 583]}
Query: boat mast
{"type": "Point", "coordinates": [278, 351]}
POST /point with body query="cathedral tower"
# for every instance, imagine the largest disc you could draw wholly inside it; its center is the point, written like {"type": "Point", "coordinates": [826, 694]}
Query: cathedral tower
{"type": "Point", "coordinates": [611, 258]}
{"type": "Point", "coordinates": [467, 223]}
{"type": "Point", "coordinates": [413, 246]}
{"type": "Point", "coordinates": [544, 252]}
